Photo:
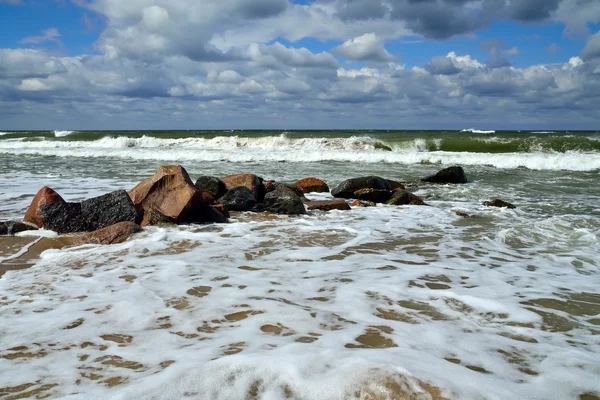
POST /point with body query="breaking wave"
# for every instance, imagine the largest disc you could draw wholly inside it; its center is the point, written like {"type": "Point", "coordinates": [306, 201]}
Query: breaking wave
{"type": "Point", "coordinates": [63, 133]}
{"type": "Point", "coordinates": [487, 132]}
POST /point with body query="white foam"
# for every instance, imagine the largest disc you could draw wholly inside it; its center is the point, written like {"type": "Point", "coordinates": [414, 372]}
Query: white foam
{"type": "Point", "coordinates": [19, 253]}
{"type": "Point", "coordinates": [486, 132]}
{"type": "Point", "coordinates": [282, 149]}
{"type": "Point", "coordinates": [63, 133]}
{"type": "Point", "coordinates": [38, 233]}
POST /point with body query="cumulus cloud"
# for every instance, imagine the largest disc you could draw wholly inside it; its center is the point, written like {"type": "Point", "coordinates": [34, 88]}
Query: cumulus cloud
{"type": "Point", "coordinates": [592, 48]}
{"type": "Point", "coordinates": [367, 47]}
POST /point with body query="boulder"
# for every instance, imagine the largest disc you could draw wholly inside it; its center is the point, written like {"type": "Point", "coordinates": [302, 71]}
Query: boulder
{"type": "Point", "coordinates": [361, 203]}
{"type": "Point", "coordinates": [395, 184]}
{"type": "Point", "coordinates": [238, 199]}
{"type": "Point", "coordinates": [498, 203]}
{"type": "Point", "coordinates": [209, 184]}
{"type": "Point", "coordinates": [312, 185]}
{"type": "Point", "coordinates": [283, 202]}
{"type": "Point", "coordinates": [64, 217]}
{"type": "Point", "coordinates": [327, 205]}
{"type": "Point", "coordinates": [117, 233]}
{"type": "Point", "coordinates": [374, 195]}
{"type": "Point", "coordinates": [448, 175]}
{"type": "Point", "coordinates": [347, 188]}
{"type": "Point", "coordinates": [403, 197]}
{"type": "Point", "coordinates": [44, 196]}
{"type": "Point", "coordinates": [109, 209]}
{"type": "Point", "coordinates": [169, 191]}
{"type": "Point", "coordinates": [270, 186]}
{"type": "Point", "coordinates": [292, 188]}
{"type": "Point", "coordinates": [462, 214]}
{"type": "Point", "coordinates": [205, 214]}
{"type": "Point", "coordinates": [250, 181]}
{"type": "Point", "coordinates": [154, 217]}
{"type": "Point", "coordinates": [13, 227]}
{"type": "Point", "coordinates": [222, 209]}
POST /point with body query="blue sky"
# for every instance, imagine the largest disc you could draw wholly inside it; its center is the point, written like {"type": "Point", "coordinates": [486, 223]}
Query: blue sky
{"type": "Point", "coordinates": [355, 53]}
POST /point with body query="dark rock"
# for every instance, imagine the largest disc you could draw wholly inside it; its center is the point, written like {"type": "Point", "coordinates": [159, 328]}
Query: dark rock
{"type": "Point", "coordinates": [13, 227]}
{"type": "Point", "coordinates": [155, 217]}
{"type": "Point", "coordinates": [108, 210]}
{"type": "Point", "coordinates": [206, 214]}
{"type": "Point", "coordinates": [347, 188]}
{"type": "Point", "coordinates": [117, 233]}
{"type": "Point", "coordinates": [395, 184]}
{"type": "Point", "coordinates": [222, 209]}
{"type": "Point", "coordinates": [293, 188]}
{"type": "Point", "coordinates": [209, 184]}
{"type": "Point", "coordinates": [258, 208]}
{"type": "Point", "coordinates": [312, 185]}
{"type": "Point", "coordinates": [327, 205]}
{"type": "Point", "coordinates": [238, 199]}
{"type": "Point", "coordinates": [44, 196]}
{"type": "Point", "coordinates": [64, 217]}
{"type": "Point", "coordinates": [270, 186]}
{"type": "Point", "coordinates": [403, 197]}
{"type": "Point", "coordinates": [448, 175]}
{"type": "Point", "coordinates": [374, 195]}
{"type": "Point", "coordinates": [498, 203]}
{"type": "Point", "coordinates": [361, 203]}
{"type": "Point", "coordinates": [462, 214]}
{"type": "Point", "coordinates": [253, 182]}
{"type": "Point", "coordinates": [283, 202]}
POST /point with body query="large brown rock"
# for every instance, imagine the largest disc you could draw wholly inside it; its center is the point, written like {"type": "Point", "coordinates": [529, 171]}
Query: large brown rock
{"type": "Point", "coordinates": [44, 196]}
{"type": "Point", "coordinates": [327, 205]}
{"type": "Point", "coordinates": [374, 195]}
{"type": "Point", "coordinates": [310, 185]}
{"type": "Point", "coordinates": [169, 191]}
{"type": "Point", "coordinates": [250, 181]}
{"type": "Point", "coordinates": [117, 233]}
{"type": "Point", "coordinates": [363, 203]}
{"type": "Point", "coordinates": [347, 188]}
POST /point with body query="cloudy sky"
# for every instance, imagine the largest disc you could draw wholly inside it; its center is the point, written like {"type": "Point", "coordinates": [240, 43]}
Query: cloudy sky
{"type": "Point", "coordinates": [283, 64]}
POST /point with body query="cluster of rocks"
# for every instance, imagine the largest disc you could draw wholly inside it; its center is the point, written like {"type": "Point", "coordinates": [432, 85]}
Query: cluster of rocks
{"type": "Point", "coordinates": [170, 197]}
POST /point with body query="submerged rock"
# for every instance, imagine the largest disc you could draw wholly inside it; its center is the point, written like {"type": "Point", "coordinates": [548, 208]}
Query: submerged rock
{"type": "Point", "coordinates": [394, 185]}
{"type": "Point", "coordinates": [64, 217]}
{"type": "Point", "coordinates": [169, 191]}
{"type": "Point", "coordinates": [290, 187]}
{"type": "Point", "coordinates": [44, 196]}
{"type": "Point", "coordinates": [238, 199]}
{"type": "Point", "coordinates": [374, 195]}
{"type": "Point", "coordinates": [327, 205]}
{"type": "Point", "coordinates": [252, 182]}
{"type": "Point", "coordinates": [498, 203]}
{"type": "Point", "coordinates": [113, 234]}
{"type": "Point", "coordinates": [212, 185]}
{"type": "Point", "coordinates": [363, 203]}
{"type": "Point", "coordinates": [402, 197]}
{"type": "Point", "coordinates": [283, 202]}
{"type": "Point", "coordinates": [347, 188]}
{"type": "Point", "coordinates": [13, 227]}
{"type": "Point", "coordinates": [109, 209]}
{"type": "Point", "coordinates": [448, 175]}
{"type": "Point", "coordinates": [312, 185]}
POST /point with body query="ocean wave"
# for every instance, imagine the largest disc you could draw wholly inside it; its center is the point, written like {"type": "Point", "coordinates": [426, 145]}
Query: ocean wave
{"type": "Point", "coordinates": [283, 149]}
{"type": "Point", "coordinates": [4, 133]}
{"type": "Point", "coordinates": [487, 132]}
{"type": "Point", "coordinates": [63, 133]}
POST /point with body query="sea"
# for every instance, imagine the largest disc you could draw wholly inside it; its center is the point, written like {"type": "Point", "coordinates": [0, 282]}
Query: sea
{"type": "Point", "coordinates": [385, 302]}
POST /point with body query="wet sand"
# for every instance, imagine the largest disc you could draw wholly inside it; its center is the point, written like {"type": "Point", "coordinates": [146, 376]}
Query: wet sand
{"type": "Point", "coordinates": [12, 245]}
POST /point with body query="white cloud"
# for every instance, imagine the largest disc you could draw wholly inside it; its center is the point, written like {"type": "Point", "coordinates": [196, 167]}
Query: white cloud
{"type": "Point", "coordinates": [592, 48]}
{"type": "Point", "coordinates": [49, 35]}
{"type": "Point", "coordinates": [367, 47]}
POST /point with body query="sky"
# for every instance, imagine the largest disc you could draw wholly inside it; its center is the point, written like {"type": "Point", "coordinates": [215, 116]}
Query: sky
{"type": "Point", "coordinates": [301, 64]}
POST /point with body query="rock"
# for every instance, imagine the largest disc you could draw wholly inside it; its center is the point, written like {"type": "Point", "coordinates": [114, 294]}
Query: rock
{"type": "Point", "coordinates": [498, 203]}
{"type": "Point", "coordinates": [327, 205]}
{"type": "Point", "coordinates": [64, 217]}
{"type": "Point", "coordinates": [312, 185]}
{"type": "Point", "coordinates": [222, 209]}
{"type": "Point", "coordinates": [395, 185]}
{"type": "Point", "coordinates": [206, 214]}
{"type": "Point", "coordinates": [154, 217]}
{"type": "Point", "coordinates": [109, 209]}
{"type": "Point", "coordinates": [44, 196]}
{"type": "Point", "coordinates": [270, 186]}
{"type": "Point", "coordinates": [292, 188]}
{"type": "Point", "coordinates": [347, 188]}
{"type": "Point", "coordinates": [360, 203]}
{"type": "Point", "coordinates": [13, 227]}
{"type": "Point", "coordinates": [283, 202]}
{"type": "Point", "coordinates": [374, 195]}
{"type": "Point", "coordinates": [169, 191]}
{"type": "Point", "coordinates": [403, 197]}
{"type": "Point", "coordinates": [238, 199]}
{"type": "Point", "coordinates": [113, 234]}
{"type": "Point", "coordinates": [250, 181]}
{"type": "Point", "coordinates": [462, 214]}
{"type": "Point", "coordinates": [258, 208]}
{"type": "Point", "coordinates": [448, 175]}
{"type": "Point", "coordinates": [209, 184]}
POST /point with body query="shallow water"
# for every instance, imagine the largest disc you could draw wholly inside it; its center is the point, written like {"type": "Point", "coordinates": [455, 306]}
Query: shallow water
{"type": "Point", "coordinates": [378, 302]}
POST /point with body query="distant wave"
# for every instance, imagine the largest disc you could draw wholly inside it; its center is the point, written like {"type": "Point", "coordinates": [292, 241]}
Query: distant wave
{"type": "Point", "coordinates": [479, 131]}
{"type": "Point", "coordinates": [354, 149]}
{"type": "Point", "coordinates": [63, 133]}
{"type": "Point", "coordinates": [4, 133]}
